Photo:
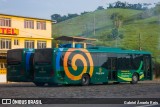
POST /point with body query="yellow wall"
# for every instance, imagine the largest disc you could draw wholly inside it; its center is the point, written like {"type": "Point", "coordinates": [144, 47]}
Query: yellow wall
{"type": "Point", "coordinates": [22, 41]}
{"type": "Point", "coordinates": [18, 22]}
{"type": "Point", "coordinates": [2, 69]}
{"type": "Point", "coordinates": [24, 34]}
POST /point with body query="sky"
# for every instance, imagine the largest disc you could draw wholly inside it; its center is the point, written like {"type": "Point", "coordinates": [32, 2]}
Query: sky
{"type": "Point", "coordinates": [45, 8]}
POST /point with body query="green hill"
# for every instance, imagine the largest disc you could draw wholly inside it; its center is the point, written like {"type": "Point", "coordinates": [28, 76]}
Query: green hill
{"type": "Point", "coordinates": [99, 25]}
{"type": "Point", "coordinates": [84, 24]}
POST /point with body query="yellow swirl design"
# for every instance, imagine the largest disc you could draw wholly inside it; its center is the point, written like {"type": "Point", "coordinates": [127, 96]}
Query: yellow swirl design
{"type": "Point", "coordinates": [73, 63]}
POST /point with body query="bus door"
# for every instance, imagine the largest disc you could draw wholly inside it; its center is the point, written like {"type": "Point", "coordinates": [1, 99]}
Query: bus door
{"type": "Point", "coordinates": [112, 68]}
{"type": "Point", "coordinates": [147, 67]}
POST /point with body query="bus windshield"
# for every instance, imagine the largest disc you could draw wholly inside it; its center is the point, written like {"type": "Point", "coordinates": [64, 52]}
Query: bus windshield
{"type": "Point", "coordinates": [14, 56]}
{"type": "Point", "coordinates": [43, 56]}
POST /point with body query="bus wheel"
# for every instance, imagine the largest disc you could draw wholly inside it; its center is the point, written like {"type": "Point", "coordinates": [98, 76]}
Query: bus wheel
{"type": "Point", "coordinates": [134, 79]}
{"type": "Point", "coordinates": [116, 82]}
{"type": "Point", "coordinates": [39, 84]}
{"type": "Point", "coordinates": [85, 80]}
{"type": "Point", "coordinates": [105, 82]}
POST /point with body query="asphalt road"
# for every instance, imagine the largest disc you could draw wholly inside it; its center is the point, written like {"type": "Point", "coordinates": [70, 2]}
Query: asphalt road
{"type": "Point", "coordinates": [145, 89]}
{"type": "Point", "coordinates": [83, 105]}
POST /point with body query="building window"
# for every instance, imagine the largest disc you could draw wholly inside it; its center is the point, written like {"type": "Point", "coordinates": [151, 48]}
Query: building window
{"type": "Point", "coordinates": [29, 24]}
{"type": "Point", "coordinates": [41, 25]}
{"type": "Point", "coordinates": [3, 65]}
{"type": "Point", "coordinates": [16, 42]}
{"type": "Point", "coordinates": [5, 43]}
{"type": "Point", "coordinates": [5, 22]}
{"type": "Point", "coordinates": [29, 44]}
{"type": "Point", "coordinates": [41, 44]}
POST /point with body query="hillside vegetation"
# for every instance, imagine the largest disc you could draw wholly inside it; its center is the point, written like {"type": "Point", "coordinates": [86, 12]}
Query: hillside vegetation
{"type": "Point", "coordinates": [84, 24]}
{"type": "Point", "coordinates": [137, 28]}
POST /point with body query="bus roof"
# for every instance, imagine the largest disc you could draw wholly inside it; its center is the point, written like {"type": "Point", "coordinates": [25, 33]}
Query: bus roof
{"type": "Point", "coordinates": [21, 49]}
{"type": "Point", "coordinates": [74, 38]}
{"type": "Point", "coordinates": [113, 50]}
{"type": "Point", "coordinates": [117, 50]}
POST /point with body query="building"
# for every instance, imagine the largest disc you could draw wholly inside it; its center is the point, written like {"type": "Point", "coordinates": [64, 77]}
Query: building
{"type": "Point", "coordinates": [22, 32]}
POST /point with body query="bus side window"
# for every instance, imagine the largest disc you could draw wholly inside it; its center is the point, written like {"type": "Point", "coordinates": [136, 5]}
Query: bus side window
{"type": "Point", "coordinates": [2, 65]}
{"type": "Point", "coordinates": [136, 61]}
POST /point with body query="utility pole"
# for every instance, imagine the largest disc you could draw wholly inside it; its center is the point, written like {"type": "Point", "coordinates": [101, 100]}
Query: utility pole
{"type": "Point", "coordinates": [116, 42]}
{"type": "Point", "coordinates": [94, 25]}
{"type": "Point", "coordinates": [140, 42]}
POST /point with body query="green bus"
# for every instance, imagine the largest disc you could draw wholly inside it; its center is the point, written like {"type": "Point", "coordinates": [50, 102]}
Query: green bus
{"type": "Point", "coordinates": [20, 65]}
{"type": "Point", "coordinates": [92, 65]}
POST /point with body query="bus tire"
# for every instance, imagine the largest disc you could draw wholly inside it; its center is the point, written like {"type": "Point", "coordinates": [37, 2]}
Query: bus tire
{"type": "Point", "coordinates": [105, 82]}
{"type": "Point", "coordinates": [85, 80]}
{"type": "Point", "coordinates": [134, 78]}
{"type": "Point", "coordinates": [39, 83]}
{"type": "Point", "coordinates": [116, 82]}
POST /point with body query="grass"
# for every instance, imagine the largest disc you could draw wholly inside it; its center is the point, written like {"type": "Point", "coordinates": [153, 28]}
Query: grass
{"type": "Point", "coordinates": [132, 27]}
{"type": "Point", "coordinates": [84, 24]}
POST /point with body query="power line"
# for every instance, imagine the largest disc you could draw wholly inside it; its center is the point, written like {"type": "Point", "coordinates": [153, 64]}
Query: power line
{"type": "Point", "coordinates": [140, 41]}
{"type": "Point", "coordinates": [94, 25]}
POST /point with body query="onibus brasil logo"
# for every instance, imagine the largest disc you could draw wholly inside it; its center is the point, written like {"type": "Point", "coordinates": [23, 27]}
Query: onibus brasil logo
{"type": "Point", "coordinates": [21, 101]}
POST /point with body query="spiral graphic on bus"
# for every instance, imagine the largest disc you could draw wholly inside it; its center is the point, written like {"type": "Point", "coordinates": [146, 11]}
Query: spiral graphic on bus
{"type": "Point", "coordinates": [85, 58]}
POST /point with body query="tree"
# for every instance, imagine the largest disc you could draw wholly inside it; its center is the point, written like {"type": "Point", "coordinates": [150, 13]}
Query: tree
{"type": "Point", "coordinates": [117, 22]}
{"type": "Point", "coordinates": [115, 33]}
{"type": "Point", "coordinates": [118, 4]}
{"type": "Point", "coordinates": [157, 9]}
{"type": "Point", "coordinates": [117, 19]}
{"type": "Point", "coordinates": [110, 5]}
{"type": "Point", "coordinates": [139, 6]}
{"type": "Point", "coordinates": [145, 6]}
{"type": "Point", "coordinates": [72, 16]}
{"type": "Point", "coordinates": [100, 8]}
{"type": "Point", "coordinates": [84, 13]}
{"type": "Point", "coordinates": [56, 17]}
{"type": "Point", "coordinates": [60, 18]}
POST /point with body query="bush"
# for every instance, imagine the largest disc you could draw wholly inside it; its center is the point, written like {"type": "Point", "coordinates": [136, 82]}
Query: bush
{"type": "Point", "coordinates": [156, 70]}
